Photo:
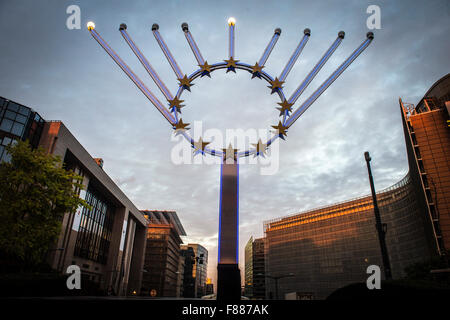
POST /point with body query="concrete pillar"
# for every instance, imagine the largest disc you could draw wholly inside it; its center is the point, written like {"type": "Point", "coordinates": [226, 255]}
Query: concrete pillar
{"type": "Point", "coordinates": [127, 254]}
{"type": "Point", "coordinates": [114, 262]}
{"type": "Point", "coordinates": [228, 274]}
{"type": "Point", "coordinates": [60, 255]}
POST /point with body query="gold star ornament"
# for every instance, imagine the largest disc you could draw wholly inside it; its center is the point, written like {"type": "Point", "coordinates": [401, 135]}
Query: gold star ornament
{"type": "Point", "coordinates": [285, 106]}
{"type": "Point", "coordinates": [230, 153]}
{"type": "Point", "coordinates": [261, 148]}
{"type": "Point", "coordinates": [206, 69]}
{"type": "Point", "coordinates": [199, 146]}
{"type": "Point", "coordinates": [231, 64]}
{"type": "Point", "coordinates": [175, 103]}
{"type": "Point", "coordinates": [256, 70]}
{"type": "Point", "coordinates": [275, 85]}
{"type": "Point", "coordinates": [180, 126]}
{"type": "Point", "coordinates": [281, 130]}
{"type": "Point", "coordinates": [185, 82]}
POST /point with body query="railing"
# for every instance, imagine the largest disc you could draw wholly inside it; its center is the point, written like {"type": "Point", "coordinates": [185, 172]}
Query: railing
{"type": "Point", "coordinates": [410, 109]}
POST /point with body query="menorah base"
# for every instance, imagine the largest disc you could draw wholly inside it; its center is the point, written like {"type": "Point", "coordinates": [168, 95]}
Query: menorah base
{"type": "Point", "coordinates": [228, 282]}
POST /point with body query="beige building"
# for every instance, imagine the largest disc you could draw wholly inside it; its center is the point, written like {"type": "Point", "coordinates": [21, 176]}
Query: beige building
{"type": "Point", "coordinates": [164, 265]}
{"type": "Point", "coordinates": [108, 241]}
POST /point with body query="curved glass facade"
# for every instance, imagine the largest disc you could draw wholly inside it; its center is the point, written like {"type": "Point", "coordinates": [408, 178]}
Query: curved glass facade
{"type": "Point", "coordinates": [330, 247]}
{"type": "Point", "coordinates": [18, 122]}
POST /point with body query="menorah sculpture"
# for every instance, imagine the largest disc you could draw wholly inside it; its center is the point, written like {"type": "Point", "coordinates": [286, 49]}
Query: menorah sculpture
{"type": "Point", "coordinates": [228, 274]}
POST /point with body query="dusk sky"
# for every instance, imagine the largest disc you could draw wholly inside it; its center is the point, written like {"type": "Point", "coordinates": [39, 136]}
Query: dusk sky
{"type": "Point", "coordinates": [65, 75]}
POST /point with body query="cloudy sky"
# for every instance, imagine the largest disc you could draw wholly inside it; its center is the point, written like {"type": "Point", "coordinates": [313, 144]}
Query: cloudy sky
{"type": "Point", "coordinates": [65, 75]}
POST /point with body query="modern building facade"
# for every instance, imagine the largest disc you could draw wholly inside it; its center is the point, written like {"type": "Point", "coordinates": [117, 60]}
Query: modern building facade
{"type": "Point", "coordinates": [248, 268]}
{"type": "Point", "coordinates": [199, 269]}
{"type": "Point", "coordinates": [209, 287]}
{"type": "Point", "coordinates": [162, 266]}
{"type": "Point", "coordinates": [259, 269]}
{"type": "Point", "coordinates": [107, 241]}
{"type": "Point", "coordinates": [427, 135]}
{"type": "Point", "coordinates": [255, 286]}
{"type": "Point", "coordinates": [180, 278]}
{"type": "Point", "coordinates": [188, 255]}
{"type": "Point", "coordinates": [330, 247]}
{"type": "Point", "coordinates": [18, 122]}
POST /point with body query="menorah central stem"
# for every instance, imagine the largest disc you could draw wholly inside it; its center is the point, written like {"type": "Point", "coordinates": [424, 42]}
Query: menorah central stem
{"type": "Point", "coordinates": [228, 274]}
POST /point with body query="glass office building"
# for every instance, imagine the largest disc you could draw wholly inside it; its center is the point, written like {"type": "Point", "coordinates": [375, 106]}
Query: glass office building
{"type": "Point", "coordinates": [107, 241]}
{"type": "Point", "coordinates": [195, 271]}
{"type": "Point", "coordinates": [328, 248]}
{"type": "Point", "coordinates": [259, 269]}
{"type": "Point", "coordinates": [248, 273]}
{"type": "Point", "coordinates": [163, 254]}
{"type": "Point", "coordinates": [427, 133]}
{"type": "Point", "coordinates": [200, 269]}
{"type": "Point", "coordinates": [188, 256]}
{"type": "Point", "coordinates": [18, 122]}
{"type": "Point", "coordinates": [255, 269]}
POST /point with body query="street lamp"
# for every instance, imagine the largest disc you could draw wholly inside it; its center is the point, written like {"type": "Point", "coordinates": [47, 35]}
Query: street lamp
{"type": "Point", "coordinates": [381, 227]}
{"type": "Point", "coordinates": [276, 278]}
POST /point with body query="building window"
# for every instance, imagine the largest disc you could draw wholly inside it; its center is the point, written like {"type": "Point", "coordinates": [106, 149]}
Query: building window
{"type": "Point", "coordinates": [6, 125]}
{"type": "Point", "coordinates": [94, 234]}
{"type": "Point", "coordinates": [21, 122]}
{"type": "Point", "coordinates": [4, 155]}
{"type": "Point", "coordinates": [17, 129]}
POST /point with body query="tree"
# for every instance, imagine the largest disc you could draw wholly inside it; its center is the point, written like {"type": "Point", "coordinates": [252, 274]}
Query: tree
{"type": "Point", "coordinates": [35, 192]}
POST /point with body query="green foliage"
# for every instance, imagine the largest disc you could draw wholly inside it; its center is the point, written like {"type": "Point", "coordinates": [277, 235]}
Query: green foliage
{"type": "Point", "coordinates": [35, 192]}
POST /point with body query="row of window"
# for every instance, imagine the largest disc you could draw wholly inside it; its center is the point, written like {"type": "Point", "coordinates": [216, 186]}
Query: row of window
{"type": "Point", "coordinates": [94, 235]}
{"type": "Point", "coordinates": [5, 141]}
{"type": "Point", "coordinates": [13, 118]}
{"type": "Point", "coordinates": [19, 122]}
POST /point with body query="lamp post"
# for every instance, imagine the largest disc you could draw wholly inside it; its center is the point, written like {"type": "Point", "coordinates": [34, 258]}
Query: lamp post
{"type": "Point", "coordinates": [381, 227]}
{"type": "Point", "coordinates": [276, 278]}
